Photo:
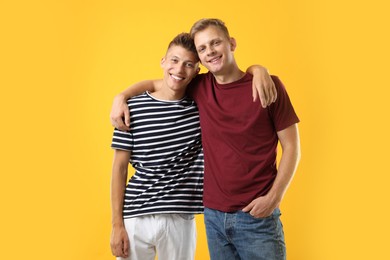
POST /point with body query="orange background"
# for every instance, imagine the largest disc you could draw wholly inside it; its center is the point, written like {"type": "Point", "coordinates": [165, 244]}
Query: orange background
{"type": "Point", "coordinates": [62, 62]}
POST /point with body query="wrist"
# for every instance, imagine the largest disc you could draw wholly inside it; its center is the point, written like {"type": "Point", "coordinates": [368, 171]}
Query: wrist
{"type": "Point", "coordinates": [257, 69]}
{"type": "Point", "coordinates": [118, 223]}
{"type": "Point", "coordinates": [274, 197]}
{"type": "Point", "coordinates": [118, 226]}
{"type": "Point", "coordinates": [120, 97]}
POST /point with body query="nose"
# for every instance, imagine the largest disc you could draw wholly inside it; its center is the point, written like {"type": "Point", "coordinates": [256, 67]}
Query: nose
{"type": "Point", "coordinates": [210, 50]}
{"type": "Point", "coordinates": [180, 68]}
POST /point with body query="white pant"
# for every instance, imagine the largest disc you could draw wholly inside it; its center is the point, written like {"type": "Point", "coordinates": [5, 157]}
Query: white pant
{"type": "Point", "coordinates": [173, 236]}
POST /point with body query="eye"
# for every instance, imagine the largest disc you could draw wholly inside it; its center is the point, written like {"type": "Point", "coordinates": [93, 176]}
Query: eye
{"type": "Point", "coordinates": [189, 65]}
{"type": "Point", "coordinates": [217, 42]}
{"type": "Point", "coordinates": [174, 60]}
{"type": "Point", "coordinates": [201, 49]}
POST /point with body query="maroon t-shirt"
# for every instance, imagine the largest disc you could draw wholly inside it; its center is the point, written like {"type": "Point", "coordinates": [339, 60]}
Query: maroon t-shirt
{"type": "Point", "coordinates": [239, 140]}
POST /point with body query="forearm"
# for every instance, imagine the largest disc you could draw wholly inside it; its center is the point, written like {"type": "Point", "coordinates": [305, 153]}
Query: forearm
{"type": "Point", "coordinates": [138, 88]}
{"type": "Point", "coordinates": [118, 187]}
{"type": "Point", "coordinates": [287, 167]}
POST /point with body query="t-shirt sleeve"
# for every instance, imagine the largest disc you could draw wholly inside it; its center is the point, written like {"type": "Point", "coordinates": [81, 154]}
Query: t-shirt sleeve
{"type": "Point", "coordinates": [282, 111]}
{"type": "Point", "coordinates": [122, 140]}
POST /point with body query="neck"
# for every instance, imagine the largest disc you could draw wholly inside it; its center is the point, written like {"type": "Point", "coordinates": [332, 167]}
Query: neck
{"type": "Point", "coordinates": [229, 75]}
{"type": "Point", "coordinates": [167, 94]}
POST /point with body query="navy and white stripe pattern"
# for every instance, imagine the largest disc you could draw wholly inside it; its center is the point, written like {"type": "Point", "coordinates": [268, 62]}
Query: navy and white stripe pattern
{"type": "Point", "coordinates": [167, 155]}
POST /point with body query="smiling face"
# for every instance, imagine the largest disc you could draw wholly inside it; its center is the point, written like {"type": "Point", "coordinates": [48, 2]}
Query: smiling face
{"type": "Point", "coordinates": [180, 67]}
{"type": "Point", "coordinates": [215, 49]}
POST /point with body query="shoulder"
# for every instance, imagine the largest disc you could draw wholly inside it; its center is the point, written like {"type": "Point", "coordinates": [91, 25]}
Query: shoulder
{"type": "Point", "coordinates": [139, 98]}
{"type": "Point", "coordinates": [197, 84]}
{"type": "Point", "coordinates": [277, 81]}
{"type": "Point", "coordinates": [203, 76]}
{"type": "Point", "coordinates": [278, 84]}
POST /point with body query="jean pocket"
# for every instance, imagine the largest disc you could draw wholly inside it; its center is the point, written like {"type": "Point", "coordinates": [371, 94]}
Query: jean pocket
{"type": "Point", "coordinates": [260, 218]}
{"type": "Point", "coordinates": [274, 215]}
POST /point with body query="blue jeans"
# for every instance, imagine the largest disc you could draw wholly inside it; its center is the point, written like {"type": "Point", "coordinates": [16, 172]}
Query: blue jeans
{"type": "Point", "coordinates": [238, 235]}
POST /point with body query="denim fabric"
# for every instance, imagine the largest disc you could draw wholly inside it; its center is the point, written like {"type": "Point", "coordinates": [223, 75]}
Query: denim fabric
{"type": "Point", "coordinates": [238, 235]}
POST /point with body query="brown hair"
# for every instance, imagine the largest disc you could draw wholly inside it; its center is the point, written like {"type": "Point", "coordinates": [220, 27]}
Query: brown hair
{"type": "Point", "coordinates": [205, 23]}
{"type": "Point", "coordinates": [184, 40]}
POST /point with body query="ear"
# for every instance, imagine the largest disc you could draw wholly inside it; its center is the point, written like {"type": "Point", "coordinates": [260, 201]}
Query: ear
{"type": "Point", "coordinates": [162, 61]}
{"type": "Point", "coordinates": [197, 71]}
{"type": "Point", "coordinates": [233, 44]}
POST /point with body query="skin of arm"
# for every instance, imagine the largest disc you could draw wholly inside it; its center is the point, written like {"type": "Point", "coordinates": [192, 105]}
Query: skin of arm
{"type": "Point", "coordinates": [264, 206]}
{"type": "Point", "coordinates": [119, 107]}
{"type": "Point", "coordinates": [262, 87]}
{"type": "Point", "coordinates": [119, 239]}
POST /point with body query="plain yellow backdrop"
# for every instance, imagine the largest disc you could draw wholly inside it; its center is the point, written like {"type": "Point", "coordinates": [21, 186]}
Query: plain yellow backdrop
{"type": "Point", "coordinates": [62, 62]}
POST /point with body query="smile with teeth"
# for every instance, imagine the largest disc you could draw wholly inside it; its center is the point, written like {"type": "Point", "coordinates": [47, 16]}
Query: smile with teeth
{"type": "Point", "coordinates": [176, 77]}
{"type": "Point", "coordinates": [216, 59]}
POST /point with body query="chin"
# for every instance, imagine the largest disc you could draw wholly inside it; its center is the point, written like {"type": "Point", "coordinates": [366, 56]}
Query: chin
{"type": "Point", "coordinates": [177, 87]}
{"type": "Point", "coordinates": [215, 68]}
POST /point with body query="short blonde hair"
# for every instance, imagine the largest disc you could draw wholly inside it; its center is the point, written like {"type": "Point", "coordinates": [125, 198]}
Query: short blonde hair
{"type": "Point", "coordinates": [202, 24]}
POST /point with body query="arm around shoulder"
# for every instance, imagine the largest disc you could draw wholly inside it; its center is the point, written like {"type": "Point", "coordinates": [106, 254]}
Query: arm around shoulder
{"type": "Point", "coordinates": [263, 86]}
{"type": "Point", "coordinates": [120, 116]}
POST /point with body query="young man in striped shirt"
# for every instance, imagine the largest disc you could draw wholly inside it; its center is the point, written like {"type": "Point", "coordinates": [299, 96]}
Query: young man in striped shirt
{"type": "Point", "coordinates": [155, 211]}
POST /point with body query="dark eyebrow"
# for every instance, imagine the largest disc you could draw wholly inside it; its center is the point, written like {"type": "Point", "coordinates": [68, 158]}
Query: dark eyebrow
{"type": "Point", "coordinates": [176, 57]}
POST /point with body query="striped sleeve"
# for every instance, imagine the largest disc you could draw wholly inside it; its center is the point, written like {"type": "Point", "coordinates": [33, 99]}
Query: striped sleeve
{"type": "Point", "coordinates": [122, 140]}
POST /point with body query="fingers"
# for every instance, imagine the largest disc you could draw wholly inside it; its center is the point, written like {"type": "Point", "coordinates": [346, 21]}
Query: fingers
{"type": "Point", "coordinates": [268, 95]}
{"type": "Point", "coordinates": [263, 99]}
{"type": "Point", "coordinates": [248, 207]}
{"type": "Point", "coordinates": [112, 120]}
{"type": "Point", "coordinates": [261, 210]}
{"type": "Point", "coordinates": [258, 92]}
{"type": "Point", "coordinates": [120, 114]}
{"type": "Point", "coordinates": [127, 117]}
{"type": "Point", "coordinates": [116, 249]}
{"type": "Point", "coordinates": [260, 214]}
{"type": "Point", "coordinates": [254, 92]}
{"type": "Point", "coordinates": [126, 248]}
{"type": "Point", "coordinates": [274, 93]}
{"type": "Point", "coordinates": [120, 248]}
{"type": "Point", "coordinates": [119, 124]}
{"type": "Point", "coordinates": [258, 209]}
